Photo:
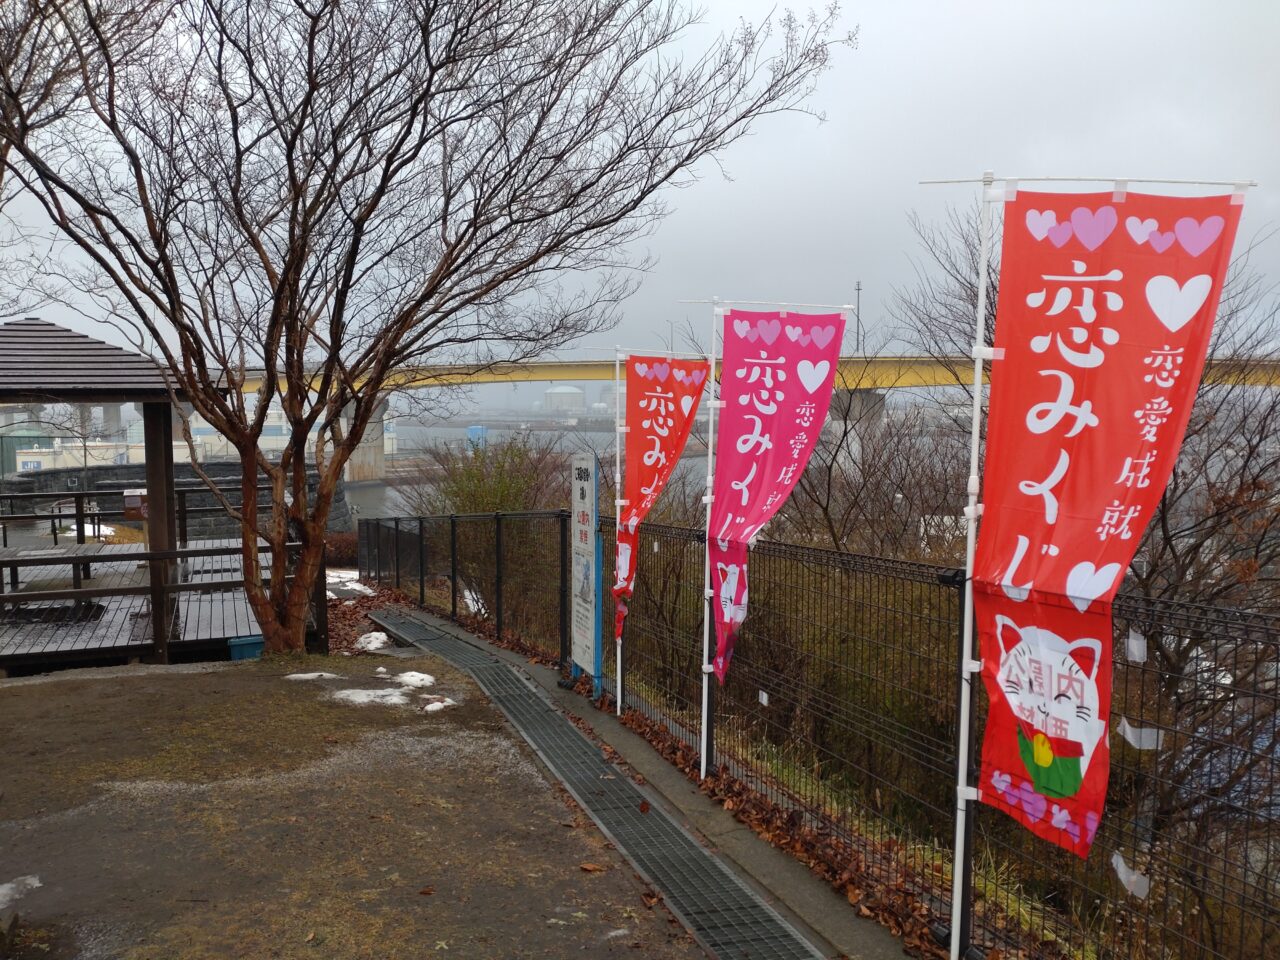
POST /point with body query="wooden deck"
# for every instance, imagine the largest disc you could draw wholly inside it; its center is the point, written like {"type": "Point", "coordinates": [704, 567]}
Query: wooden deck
{"type": "Point", "coordinates": [116, 624]}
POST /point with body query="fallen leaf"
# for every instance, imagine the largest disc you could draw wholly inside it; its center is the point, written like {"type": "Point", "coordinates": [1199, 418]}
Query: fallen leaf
{"type": "Point", "coordinates": [427, 891]}
{"type": "Point", "coordinates": [309, 937]}
{"type": "Point", "coordinates": [592, 867]}
{"type": "Point", "coordinates": [644, 806]}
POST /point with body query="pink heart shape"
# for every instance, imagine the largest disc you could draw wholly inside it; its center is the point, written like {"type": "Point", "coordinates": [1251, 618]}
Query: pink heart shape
{"type": "Point", "coordinates": [1195, 236]}
{"type": "Point", "coordinates": [1033, 803]}
{"type": "Point", "coordinates": [1092, 227]}
{"type": "Point", "coordinates": [743, 329]}
{"type": "Point", "coordinates": [1160, 242]}
{"type": "Point", "coordinates": [768, 330]}
{"type": "Point", "coordinates": [1090, 825]}
{"type": "Point", "coordinates": [697, 377]}
{"type": "Point", "coordinates": [660, 371]}
{"type": "Point", "coordinates": [642, 370]}
{"type": "Point", "coordinates": [794, 334]}
{"type": "Point", "coordinates": [1039, 222]}
{"type": "Point", "coordinates": [680, 375]}
{"type": "Point", "coordinates": [1060, 234]}
{"type": "Point", "coordinates": [822, 335]}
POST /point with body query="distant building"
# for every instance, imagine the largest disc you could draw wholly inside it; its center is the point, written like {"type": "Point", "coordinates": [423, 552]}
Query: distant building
{"type": "Point", "coordinates": [565, 399]}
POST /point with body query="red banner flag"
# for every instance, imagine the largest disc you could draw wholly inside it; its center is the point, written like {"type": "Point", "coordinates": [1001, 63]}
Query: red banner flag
{"type": "Point", "coordinates": [1104, 316]}
{"type": "Point", "coordinates": [662, 402]}
{"type": "Point", "coordinates": [779, 373]}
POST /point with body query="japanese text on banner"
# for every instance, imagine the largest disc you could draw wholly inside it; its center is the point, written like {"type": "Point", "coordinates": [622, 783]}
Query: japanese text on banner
{"type": "Point", "coordinates": [1104, 317]}
{"type": "Point", "coordinates": [779, 373]}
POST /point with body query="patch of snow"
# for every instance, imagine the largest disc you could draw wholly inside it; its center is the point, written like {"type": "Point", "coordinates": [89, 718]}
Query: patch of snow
{"type": "Point", "coordinates": [347, 580]}
{"type": "Point", "coordinates": [314, 676]}
{"type": "Point", "coordinates": [438, 704]}
{"type": "Point", "coordinates": [14, 890]}
{"type": "Point", "coordinates": [371, 642]}
{"type": "Point", "coordinates": [330, 595]}
{"type": "Point", "coordinates": [381, 670]}
{"type": "Point", "coordinates": [386, 697]}
{"type": "Point", "coordinates": [348, 603]}
{"type": "Point", "coordinates": [472, 600]}
{"type": "Point", "coordinates": [102, 530]}
{"type": "Point", "coordinates": [412, 678]}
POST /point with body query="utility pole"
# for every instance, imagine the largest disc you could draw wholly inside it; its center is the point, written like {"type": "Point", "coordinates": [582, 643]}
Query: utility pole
{"type": "Point", "coordinates": [857, 315]}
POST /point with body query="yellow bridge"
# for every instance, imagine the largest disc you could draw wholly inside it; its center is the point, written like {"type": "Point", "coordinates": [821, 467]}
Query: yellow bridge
{"type": "Point", "coordinates": [855, 373]}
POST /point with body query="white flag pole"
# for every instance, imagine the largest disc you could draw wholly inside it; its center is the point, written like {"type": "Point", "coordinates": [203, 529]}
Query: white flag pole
{"type": "Point", "coordinates": [708, 600]}
{"type": "Point", "coordinates": [966, 793]}
{"type": "Point", "coordinates": [618, 430]}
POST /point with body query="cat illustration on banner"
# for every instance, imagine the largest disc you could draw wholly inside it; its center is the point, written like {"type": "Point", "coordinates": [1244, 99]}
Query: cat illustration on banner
{"type": "Point", "coordinates": [733, 609]}
{"type": "Point", "coordinates": [1051, 687]}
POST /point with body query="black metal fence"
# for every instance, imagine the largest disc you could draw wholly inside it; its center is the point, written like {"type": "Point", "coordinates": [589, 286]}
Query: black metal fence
{"type": "Point", "coordinates": [840, 710]}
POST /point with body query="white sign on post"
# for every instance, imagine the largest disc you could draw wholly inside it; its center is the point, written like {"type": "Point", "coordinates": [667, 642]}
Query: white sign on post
{"type": "Point", "coordinates": [586, 562]}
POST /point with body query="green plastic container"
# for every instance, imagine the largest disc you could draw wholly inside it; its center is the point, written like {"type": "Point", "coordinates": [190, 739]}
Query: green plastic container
{"type": "Point", "coordinates": [245, 648]}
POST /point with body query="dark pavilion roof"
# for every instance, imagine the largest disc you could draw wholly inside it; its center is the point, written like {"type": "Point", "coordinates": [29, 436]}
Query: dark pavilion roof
{"type": "Point", "coordinates": [43, 362]}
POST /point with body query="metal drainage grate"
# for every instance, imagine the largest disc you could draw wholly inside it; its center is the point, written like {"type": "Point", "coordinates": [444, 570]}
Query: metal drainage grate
{"type": "Point", "coordinates": [726, 917]}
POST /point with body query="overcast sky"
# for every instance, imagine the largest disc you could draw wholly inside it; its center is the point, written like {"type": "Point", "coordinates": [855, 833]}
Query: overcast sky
{"type": "Point", "coordinates": [1177, 89]}
{"type": "Point", "coordinates": [1132, 88]}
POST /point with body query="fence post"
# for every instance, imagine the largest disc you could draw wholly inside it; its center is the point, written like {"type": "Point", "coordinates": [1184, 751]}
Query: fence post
{"type": "Point", "coordinates": [955, 578]}
{"type": "Point", "coordinates": [453, 565]}
{"type": "Point", "coordinates": [422, 564]}
{"type": "Point", "coordinates": [159, 610]}
{"type": "Point", "coordinates": [182, 516]}
{"type": "Point", "coordinates": [360, 554]}
{"type": "Point", "coordinates": [396, 555]}
{"type": "Point", "coordinates": [566, 658]}
{"type": "Point", "coordinates": [497, 568]}
{"type": "Point", "coordinates": [377, 550]}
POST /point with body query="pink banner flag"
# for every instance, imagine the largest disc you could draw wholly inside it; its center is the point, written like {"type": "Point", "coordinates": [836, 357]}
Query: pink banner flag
{"type": "Point", "coordinates": [779, 372]}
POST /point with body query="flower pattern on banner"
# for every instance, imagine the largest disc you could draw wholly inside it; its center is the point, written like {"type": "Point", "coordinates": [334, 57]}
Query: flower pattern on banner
{"type": "Point", "coordinates": [776, 385]}
{"type": "Point", "coordinates": [662, 402]}
{"type": "Point", "coordinates": [1104, 318]}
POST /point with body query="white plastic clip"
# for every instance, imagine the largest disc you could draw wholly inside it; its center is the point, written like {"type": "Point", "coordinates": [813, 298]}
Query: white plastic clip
{"type": "Point", "coordinates": [1011, 189]}
{"type": "Point", "coordinates": [708, 593]}
{"type": "Point", "coordinates": [973, 486]}
{"type": "Point", "coordinates": [622, 428]}
{"type": "Point", "coordinates": [708, 668]}
{"type": "Point", "coordinates": [782, 314]}
{"type": "Point", "coordinates": [969, 794]}
{"type": "Point", "coordinates": [1121, 191]}
{"type": "Point", "coordinates": [622, 503]}
{"type": "Point", "coordinates": [972, 666]}
{"type": "Point", "coordinates": [718, 404]}
{"type": "Point", "coordinates": [988, 353]}
{"type": "Point", "coordinates": [1237, 193]}
{"type": "Point", "coordinates": [974, 512]}
{"type": "Point", "coordinates": [707, 499]}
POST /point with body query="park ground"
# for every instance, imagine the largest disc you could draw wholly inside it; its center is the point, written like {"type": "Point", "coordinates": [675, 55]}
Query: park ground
{"type": "Point", "coordinates": [226, 811]}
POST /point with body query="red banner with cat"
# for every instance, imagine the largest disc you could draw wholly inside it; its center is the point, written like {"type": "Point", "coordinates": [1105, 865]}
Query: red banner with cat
{"type": "Point", "coordinates": [1105, 310]}
{"type": "Point", "coordinates": [662, 402]}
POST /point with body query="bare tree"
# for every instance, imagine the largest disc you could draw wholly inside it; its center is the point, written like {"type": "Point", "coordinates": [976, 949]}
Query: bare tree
{"type": "Point", "coordinates": [303, 199]}
{"type": "Point", "coordinates": [520, 472]}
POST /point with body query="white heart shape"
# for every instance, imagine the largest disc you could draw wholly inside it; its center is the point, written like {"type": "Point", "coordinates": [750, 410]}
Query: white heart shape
{"type": "Point", "coordinates": [686, 404]}
{"type": "Point", "coordinates": [812, 375]}
{"type": "Point", "coordinates": [1140, 229]}
{"type": "Point", "coordinates": [1086, 583]}
{"type": "Point", "coordinates": [641, 369]}
{"type": "Point", "coordinates": [1174, 305]}
{"type": "Point", "coordinates": [1039, 222]}
{"type": "Point", "coordinates": [740, 327]}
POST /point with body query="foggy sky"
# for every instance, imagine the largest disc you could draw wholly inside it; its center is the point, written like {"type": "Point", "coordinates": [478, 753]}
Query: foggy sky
{"type": "Point", "coordinates": [1175, 88]}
